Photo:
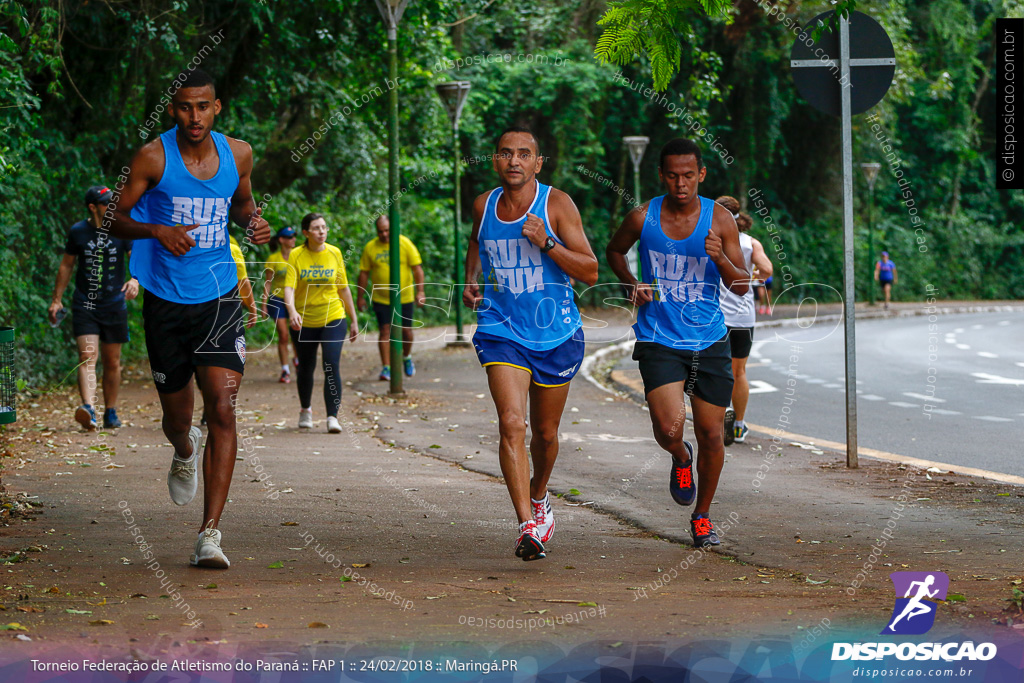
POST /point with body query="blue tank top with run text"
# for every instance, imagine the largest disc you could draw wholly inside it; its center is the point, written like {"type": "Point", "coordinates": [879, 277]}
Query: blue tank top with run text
{"type": "Point", "coordinates": [207, 271]}
{"type": "Point", "coordinates": [527, 297]}
{"type": "Point", "coordinates": [685, 313]}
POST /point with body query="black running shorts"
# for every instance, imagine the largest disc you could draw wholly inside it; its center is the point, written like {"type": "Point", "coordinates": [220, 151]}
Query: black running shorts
{"type": "Point", "coordinates": [741, 339]}
{"type": "Point", "coordinates": [110, 323]}
{"type": "Point", "coordinates": [182, 337]}
{"type": "Point", "coordinates": [707, 373]}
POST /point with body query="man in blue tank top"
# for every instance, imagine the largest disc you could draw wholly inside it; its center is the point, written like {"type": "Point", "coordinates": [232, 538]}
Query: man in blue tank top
{"type": "Point", "coordinates": [181, 191]}
{"type": "Point", "coordinates": [527, 243]}
{"type": "Point", "coordinates": [688, 245]}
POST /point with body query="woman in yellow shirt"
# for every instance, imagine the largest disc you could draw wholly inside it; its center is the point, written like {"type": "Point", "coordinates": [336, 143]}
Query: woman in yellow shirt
{"type": "Point", "coordinates": [319, 308]}
{"type": "Point", "coordinates": [281, 245]}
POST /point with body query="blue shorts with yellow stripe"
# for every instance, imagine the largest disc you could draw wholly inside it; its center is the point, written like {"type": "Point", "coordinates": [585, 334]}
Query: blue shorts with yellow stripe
{"type": "Point", "coordinates": [551, 368]}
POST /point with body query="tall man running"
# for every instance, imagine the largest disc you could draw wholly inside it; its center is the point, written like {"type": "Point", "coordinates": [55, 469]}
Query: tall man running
{"type": "Point", "coordinates": [181, 191]}
{"type": "Point", "coordinates": [527, 242]}
{"type": "Point", "coordinates": [688, 244]}
{"type": "Point", "coordinates": [375, 264]}
{"type": "Point", "coordinates": [99, 316]}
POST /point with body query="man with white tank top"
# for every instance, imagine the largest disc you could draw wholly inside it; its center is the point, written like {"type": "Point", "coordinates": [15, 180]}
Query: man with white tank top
{"type": "Point", "coordinates": [739, 320]}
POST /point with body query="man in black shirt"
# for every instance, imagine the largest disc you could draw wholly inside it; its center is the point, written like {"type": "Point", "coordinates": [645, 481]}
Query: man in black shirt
{"type": "Point", "coordinates": [99, 314]}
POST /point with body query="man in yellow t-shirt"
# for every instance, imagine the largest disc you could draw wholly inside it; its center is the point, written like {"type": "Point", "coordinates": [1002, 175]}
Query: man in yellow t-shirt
{"type": "Point", "coordinates": [375, 265]}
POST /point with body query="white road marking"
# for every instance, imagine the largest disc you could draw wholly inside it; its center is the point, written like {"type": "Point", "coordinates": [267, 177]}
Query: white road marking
{"type": "Point", "coordinates": [992, 418]}
{"type": "Point", "coordinates": [1003, 323]}
{"type": "Point", "coordinates": [986, 378]}
{"type": "Point", "coordinates": [958, 330]}
{"type": "Point", "coordinates": [987, 354]}
{"type": "Point", "coordinates": [758, 386]}
{"type": "Point", "coordinates": [815, 380]}
{"type": "Point", "coordinates": [922, 397]}
{"type": "Point", "coordinates": [1019, 364]}
{"type": "Point", "coordinates": [872, 397]}
{"type": "Point", "coordinates": [832, 385]}
{"type": "Point", "coordinates": [951, 340]}
{"type": "Point", "coordinates": [943, 411]}
{"type": "Point", "coordinates": [976, 327]}
{"type": "Point", "coordinates": [963, 347]}
{"type": "Point", "coordinates": [903, 404]}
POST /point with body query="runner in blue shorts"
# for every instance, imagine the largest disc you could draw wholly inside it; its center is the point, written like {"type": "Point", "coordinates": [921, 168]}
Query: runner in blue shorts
{"type": "Point", "coordinates": [527, 243]}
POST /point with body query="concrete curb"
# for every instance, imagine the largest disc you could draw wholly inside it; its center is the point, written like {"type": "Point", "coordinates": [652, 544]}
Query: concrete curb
{"type": "Point", "coordinates": [624, 391]}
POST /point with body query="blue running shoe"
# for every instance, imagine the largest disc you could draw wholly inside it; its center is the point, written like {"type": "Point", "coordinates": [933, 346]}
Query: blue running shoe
{"type": "Point", "coordinates": [86, 417]}
{"type": "Point", "coordinates": [385, 374]}
{"type": "Point", "coordinates": [410, 367]}
{"type": "Point", "coordinates": [681, 484]}
{"type": "Point", "coordinates": [702, 530]}
{"type": "Point", "coordinates": [110, 419]}
{"type": "Point", "coordinates": [741, 433]}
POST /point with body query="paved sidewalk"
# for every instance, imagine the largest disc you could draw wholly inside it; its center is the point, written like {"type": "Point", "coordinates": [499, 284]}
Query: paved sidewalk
{"type": "Point", "coordinates": [408, 498]}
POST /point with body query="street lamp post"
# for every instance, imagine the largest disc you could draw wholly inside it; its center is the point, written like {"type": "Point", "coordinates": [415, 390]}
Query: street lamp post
{"type": "Point", "coordinates": [453, 97]}
{"type": "Point", "coordinates": [636, 144]}
{"type": "Point", "coordinates": [391, 11]}
{"type": "Point", "coordinates": [870, 170]}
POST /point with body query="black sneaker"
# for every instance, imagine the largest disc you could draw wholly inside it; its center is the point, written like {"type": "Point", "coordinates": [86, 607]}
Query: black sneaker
{"type": "Point", "coordinates": [110, 419]}
{"type": "Point", "coordinates": [529, 546]}
{"type": "Point", "coordinates": [681, 484]}
{"type": "Point", "coordinates": [730, 426]}
{"type": "Point", "coordinates": [702, 530]}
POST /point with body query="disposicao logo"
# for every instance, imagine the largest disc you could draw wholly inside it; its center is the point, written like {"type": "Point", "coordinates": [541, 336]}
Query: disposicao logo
{"type": "Point", "coordinates": [917, 596]}
{"type": "Point", "coordinates": [914, 613]}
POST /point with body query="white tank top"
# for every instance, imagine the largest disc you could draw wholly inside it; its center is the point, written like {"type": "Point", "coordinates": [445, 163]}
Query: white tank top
{"type": "Point", "coordinates": [739, 310]}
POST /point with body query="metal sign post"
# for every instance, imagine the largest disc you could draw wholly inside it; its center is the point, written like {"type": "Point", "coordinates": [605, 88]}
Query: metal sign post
{"type": "Point", "coordinates": [853, 92]}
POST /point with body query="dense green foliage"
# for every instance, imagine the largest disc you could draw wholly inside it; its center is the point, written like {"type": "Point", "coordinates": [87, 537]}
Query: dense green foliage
{"type": "Point", "coordinates": [79, 81]}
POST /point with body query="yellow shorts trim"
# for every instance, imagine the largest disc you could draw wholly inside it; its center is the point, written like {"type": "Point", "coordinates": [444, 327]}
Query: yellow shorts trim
{"type": "Point", "coordinates": [551, 386]}
{"type": "Point", "coordinates": [511, 365]}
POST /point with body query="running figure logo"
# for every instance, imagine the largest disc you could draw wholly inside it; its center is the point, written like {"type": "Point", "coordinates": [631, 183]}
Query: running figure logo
{"type": "Point", "coordinates": [914, 613]}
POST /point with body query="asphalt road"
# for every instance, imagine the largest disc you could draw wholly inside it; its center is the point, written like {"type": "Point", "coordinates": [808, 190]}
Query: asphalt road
{"type": "Point", "coordinates": [949, 389]}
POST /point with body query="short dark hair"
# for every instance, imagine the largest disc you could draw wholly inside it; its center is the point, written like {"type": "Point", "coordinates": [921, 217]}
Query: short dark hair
{"type": "Point", "coordinates": [197, 79]}
{"type": "Point", "coordinates": [518, 129]}
{"type": "Point", "coordinates": [308, 219]}
{"type": "Point", "coordinates": [681, 147]}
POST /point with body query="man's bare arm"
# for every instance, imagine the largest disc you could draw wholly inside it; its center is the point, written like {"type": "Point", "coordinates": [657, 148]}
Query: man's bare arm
{"type": "Point", "coordinates": [574, 255]}
{"type": "Point", "coordinates": [723, 245]}
{"type": "Point", "coordinates": [471, 288]}
{"type": "Point", "coordinates": [244, 212]}
{"type": "Point", "coordinates": [144, 172]}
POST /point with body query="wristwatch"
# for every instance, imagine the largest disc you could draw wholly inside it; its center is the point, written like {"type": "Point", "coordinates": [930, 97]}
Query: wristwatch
{"type": "Point", "coordinates": [548, 245]}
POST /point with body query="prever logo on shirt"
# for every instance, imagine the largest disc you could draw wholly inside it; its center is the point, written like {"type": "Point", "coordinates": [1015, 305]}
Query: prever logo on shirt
{"type": "Point", "coordinates": [678, 277]}
{"type": "Point", "coordinates": [914, 613]}
{"type": "Point", "coordinates": [317, 274]}
{"type": "Point", "coordinates": [516, 264]}
{"type": "Point", "coordinates": [210, 213]}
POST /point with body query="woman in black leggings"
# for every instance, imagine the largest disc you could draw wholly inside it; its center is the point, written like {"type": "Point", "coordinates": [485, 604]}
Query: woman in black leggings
{"type": "Point", "coordinates": [320, 307]}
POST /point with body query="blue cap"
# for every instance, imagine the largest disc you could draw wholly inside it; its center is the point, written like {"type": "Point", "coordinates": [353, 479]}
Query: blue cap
{"type": "Point", "coordinates": [885, 253]}
{"type": "Point", "coordinates": [287, 231]}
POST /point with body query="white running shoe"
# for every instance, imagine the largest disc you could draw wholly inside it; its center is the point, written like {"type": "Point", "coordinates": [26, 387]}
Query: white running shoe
{"type": "Point", "coordinates": [182, 480]}
{"type": "Point", "coordinates": [306, 419]}
{"type": "Point", "coordinates": [333, 426]}
{"type": "Point", "coordinates": [544, 517]}
{"type": "Point", "coordinates": [208, 552]}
